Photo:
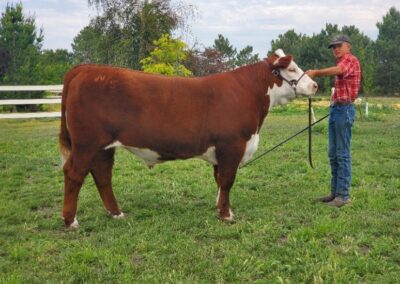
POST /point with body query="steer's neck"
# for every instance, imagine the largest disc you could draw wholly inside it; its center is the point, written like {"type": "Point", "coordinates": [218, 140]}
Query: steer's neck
{"type": "Point", "coordinates": [256, 76]}
{"type": "Point", "coordinates": [257, 80]}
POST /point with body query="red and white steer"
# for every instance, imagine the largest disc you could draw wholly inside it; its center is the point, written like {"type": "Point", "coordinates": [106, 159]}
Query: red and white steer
{"type": "Point", "coordinates": [216, 118]}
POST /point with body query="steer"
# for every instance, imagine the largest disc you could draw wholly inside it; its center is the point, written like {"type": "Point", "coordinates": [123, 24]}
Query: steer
{"type": "Point", "coordinates": [216, 118]}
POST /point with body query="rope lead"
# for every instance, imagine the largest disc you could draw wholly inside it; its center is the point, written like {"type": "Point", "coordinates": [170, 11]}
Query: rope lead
{"type": "Point", "coordinates": [288, 139]}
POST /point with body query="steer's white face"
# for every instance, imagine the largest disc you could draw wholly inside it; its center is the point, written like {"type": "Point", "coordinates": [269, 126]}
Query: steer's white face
{"type": "Point", "coordinates": [283, 94]}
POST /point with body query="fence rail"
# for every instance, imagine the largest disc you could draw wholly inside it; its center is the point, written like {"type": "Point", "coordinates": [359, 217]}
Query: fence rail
{"type": "Point", "coordinates": [51, 100]}
{"type": "Point", "coordinates": [33, 88]}
{"type": "Point", "coordinates": [30, 102]}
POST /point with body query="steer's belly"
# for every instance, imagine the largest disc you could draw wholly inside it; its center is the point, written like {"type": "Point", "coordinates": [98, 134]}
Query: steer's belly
{"type": "Point", "coordinates": [151, 158]}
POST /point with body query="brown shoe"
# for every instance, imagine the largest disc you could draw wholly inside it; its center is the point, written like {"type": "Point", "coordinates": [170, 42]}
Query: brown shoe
{"type": "Point", "coordinates": [338, 202]}
{"type": "Point", "coordinates": [326, 199]}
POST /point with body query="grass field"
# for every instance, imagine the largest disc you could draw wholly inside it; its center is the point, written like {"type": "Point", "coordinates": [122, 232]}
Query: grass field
{"type": "Point", "coordinates": [171, 233]}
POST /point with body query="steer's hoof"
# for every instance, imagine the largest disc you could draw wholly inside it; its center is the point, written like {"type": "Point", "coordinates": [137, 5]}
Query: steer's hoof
{"type": "Point", "coordinates": [73, 225]}
{"type": "Point", "coordinates": [228, 217]}
{"type": "Point", "coordinates": [119, 216]}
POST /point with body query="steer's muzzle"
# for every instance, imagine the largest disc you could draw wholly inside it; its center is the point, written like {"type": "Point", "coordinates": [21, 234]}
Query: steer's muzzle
{"type": "Point", "coordinates": [314, 87]}
{"type": "Point", "coordinates": [307, 86]}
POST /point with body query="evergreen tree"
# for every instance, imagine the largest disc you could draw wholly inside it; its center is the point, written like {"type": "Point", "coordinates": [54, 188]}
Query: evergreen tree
{"type": "Point", "coordinates": [227, 51]}
{"type": "Point", "coordinates": [21, 43]}
{"type": "Point", "coordinates": [388, 53]}
{"type": "Point", "coordinates": [290, 42]}
{"type": "Point", "coordinates": [246, 56]}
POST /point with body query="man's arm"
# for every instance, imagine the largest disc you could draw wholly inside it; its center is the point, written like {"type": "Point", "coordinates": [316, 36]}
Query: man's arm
{"type": "Point", "coordinates": [331, 71]}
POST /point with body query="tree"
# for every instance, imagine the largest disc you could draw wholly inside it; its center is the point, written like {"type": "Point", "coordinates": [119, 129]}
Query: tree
{"type": "Point", "coordinates": [290, 42]}
{"type": "Point", "coordinates": [125, 31]}
{"type": "Point", "coordinates": [167, 58]}
{"type": "Point", "coordinates": [246, 56]}
{"type": "Point", "coordinates": [4, 61]}
{"type": "Point", "coordinates": [206, 62]}
{"type": "Point", "coordinates": [222, 56]}
{"type": "Point", "coordinates": [388, 52]}
{"type": "Point", "coordinates": [227, 51]}
{"type": "Point", "coordinates": [103, 43]}
{"type": "Point", "coordinates": [52, 66]}
{"type": "Point", "coordinates": [21, 43]}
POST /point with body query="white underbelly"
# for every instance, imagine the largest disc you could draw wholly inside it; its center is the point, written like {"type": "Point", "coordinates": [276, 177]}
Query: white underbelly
{"type": "Point", "coordinates": [151, 158]}
{"type": "Point", "coordinates": [209, 156]}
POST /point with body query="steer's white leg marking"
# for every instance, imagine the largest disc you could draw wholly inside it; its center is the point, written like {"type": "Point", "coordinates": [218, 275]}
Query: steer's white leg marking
{"type": "Point", "coordinates": [219, 191]}
{"type": "Point", "coordinates": [119, 216]}
{"type": "Point", "coordinates": [230, 217]}
{"type": "Point", "coordinates": [75, 224]}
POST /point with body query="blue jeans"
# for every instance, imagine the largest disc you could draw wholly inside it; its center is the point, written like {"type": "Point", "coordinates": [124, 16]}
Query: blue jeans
{"type": "Point", "coordinates": [341, 119]}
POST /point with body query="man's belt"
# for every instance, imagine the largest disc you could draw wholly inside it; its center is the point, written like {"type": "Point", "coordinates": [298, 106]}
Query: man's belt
{"type": "Point", "coordinates": [341, 103]}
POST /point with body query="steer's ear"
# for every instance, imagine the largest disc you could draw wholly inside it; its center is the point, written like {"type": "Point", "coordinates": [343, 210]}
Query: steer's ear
{"type": "Point", "coordinates": [280, 62]}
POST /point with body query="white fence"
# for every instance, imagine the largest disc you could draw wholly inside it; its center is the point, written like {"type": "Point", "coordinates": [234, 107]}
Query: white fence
{"type": "Point", "coordinates": [53, 100]}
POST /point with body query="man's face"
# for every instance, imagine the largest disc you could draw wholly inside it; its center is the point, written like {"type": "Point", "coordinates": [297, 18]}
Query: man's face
{"type": "Point", "coordinates": [341, 49]}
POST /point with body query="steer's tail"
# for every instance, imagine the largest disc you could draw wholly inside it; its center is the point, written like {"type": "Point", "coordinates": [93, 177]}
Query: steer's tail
{"type": "Point", "coordinates": [64, 137]}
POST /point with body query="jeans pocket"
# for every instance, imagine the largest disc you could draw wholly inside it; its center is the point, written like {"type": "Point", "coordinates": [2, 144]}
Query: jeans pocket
{"type": "Point", "coordinates": [350, 114]}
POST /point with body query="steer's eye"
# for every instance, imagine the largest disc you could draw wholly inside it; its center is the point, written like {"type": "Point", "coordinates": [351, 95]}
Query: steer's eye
{"type": "Point", "coordinates": [292, 70]}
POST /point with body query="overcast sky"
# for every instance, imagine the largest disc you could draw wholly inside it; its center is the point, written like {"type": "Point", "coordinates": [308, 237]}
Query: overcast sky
{"type": "Point", "coordinates": [249, 22]}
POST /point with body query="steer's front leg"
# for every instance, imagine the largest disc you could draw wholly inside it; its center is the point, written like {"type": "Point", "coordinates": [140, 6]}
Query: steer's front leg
{"type": "Point", "coordinates": [223, 205]}
{"type": "Point", "coordinates": [225, 174]}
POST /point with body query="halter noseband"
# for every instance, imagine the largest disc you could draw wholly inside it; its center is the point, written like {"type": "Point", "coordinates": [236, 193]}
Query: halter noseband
{"type": "Point", "coordinates": [292, 83]}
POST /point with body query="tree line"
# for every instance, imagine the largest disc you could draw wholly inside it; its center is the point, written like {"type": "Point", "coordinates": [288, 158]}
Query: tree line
{"type": "Point", "coordinates": [138, 34]}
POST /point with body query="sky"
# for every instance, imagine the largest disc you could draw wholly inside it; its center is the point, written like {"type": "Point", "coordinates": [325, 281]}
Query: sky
{"type": "Point", "coordinates": [250, 22]}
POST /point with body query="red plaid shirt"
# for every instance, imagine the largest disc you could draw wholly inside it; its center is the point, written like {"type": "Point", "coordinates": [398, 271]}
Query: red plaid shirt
{"type": "Point", "coordinates": [347, 84]}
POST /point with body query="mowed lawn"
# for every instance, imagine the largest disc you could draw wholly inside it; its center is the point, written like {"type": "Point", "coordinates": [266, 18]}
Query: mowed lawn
{"type": "Point", "coordinates": [171, 233]}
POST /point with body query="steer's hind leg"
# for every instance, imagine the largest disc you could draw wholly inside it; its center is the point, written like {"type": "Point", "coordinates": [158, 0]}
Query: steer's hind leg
{"type": "Point", "coordinates": [102, 174]}
{"type": "Point", "coordinates": [75, 170]}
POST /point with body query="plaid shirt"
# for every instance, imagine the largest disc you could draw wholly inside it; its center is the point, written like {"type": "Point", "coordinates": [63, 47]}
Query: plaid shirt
{"type": "Point", "coordinates": [347, 84]}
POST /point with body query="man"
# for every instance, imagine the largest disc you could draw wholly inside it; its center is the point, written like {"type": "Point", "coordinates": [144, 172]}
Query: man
{"type": "Point", "coordinates": [341, 117]}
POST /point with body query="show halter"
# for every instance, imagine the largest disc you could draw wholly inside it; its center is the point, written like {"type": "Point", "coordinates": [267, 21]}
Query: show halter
{"type": "Point", "coordinates": [292, 83]}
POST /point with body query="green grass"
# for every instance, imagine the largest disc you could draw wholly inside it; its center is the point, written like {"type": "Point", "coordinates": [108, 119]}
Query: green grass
{"type": "Point", "coordinates": [171, 233]}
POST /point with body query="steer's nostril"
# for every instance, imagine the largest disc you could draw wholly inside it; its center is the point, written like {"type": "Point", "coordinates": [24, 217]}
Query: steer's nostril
{"type": "Point", "coordinates": [315, 86]}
